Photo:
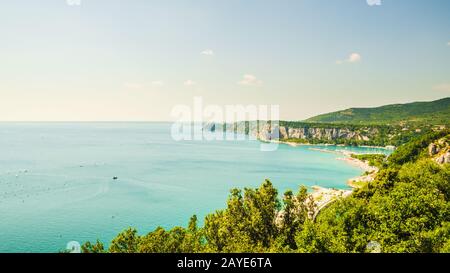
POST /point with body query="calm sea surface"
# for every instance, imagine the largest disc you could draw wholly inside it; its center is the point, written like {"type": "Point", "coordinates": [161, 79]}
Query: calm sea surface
{"type": "Point", "coordinates": [56, 179]}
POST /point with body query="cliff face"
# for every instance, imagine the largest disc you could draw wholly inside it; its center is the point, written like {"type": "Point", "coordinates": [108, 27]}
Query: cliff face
{"type": "Point", "coordinates": [440, 151]}
{"type": "Point", "coordinates": [306, 133]}
{"type": "Point", "coordinates": [324, 133]}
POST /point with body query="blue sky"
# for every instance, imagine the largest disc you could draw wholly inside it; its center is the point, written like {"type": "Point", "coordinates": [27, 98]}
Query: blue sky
{"type": "Point", "coordinates": [137, 59]}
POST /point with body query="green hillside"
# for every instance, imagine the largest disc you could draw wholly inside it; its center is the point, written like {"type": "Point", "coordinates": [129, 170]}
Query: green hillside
{"type": "Point", "coordinates": [434, 112]}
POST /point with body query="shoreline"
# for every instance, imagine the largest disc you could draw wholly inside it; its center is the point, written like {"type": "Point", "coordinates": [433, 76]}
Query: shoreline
{"type": "Point", "coordinates": [369, 171]}
{"type": "Point", "coordinates": [322, 196]}
{"type": "Point", "coordinates": [296, 144]}
{"type": "Point", "coordinates": [363, 165]}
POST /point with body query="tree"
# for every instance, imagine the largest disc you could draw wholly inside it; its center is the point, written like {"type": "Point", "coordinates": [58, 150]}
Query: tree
{"type": "Point", "coordinates": [88, 247]}
{"type": "Point", "coordinates": [294, 214]}
{"type": "Point", "coordinates": [126, 242]}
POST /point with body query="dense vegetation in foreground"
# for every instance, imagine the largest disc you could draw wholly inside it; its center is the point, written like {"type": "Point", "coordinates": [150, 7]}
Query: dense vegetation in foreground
{"type": "Point", "coordinates": [406, 209]}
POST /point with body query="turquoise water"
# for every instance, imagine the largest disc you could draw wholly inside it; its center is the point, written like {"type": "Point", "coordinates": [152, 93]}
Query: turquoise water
{"type": "Point", "coordinates": [56, 180]}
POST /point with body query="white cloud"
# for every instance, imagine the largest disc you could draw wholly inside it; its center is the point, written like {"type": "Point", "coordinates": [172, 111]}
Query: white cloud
{"type": "Point", "coordinates": [249, 79]}
{"type": "Point", "coordinates": [189, 83]}
{"type": "Point", "coordinates": [352, 58]}
{"type": "Point", "coordinates": [374, 2]}
{"type": "Point", "coordinates": [208, 52]}
{"type": "Point", "coordinates": [445, 87]}
{"type": "Point", "coordinates": [448, 43]}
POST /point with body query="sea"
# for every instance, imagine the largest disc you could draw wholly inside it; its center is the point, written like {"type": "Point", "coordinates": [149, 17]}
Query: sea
{"type": "Point", "coordinates": [75, 182]}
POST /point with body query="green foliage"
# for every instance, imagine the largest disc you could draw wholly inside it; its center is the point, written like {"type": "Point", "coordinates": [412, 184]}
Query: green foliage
{"type": "Point", "coordinates": [126, 242]}
{"type": "Point", "coordinates": [343, 227]}
{"type": "Point", "coordinates": [295, 214]}
{"type": "Point", "coordinates": [248, 223]}
{"type": "Point", "coordinates": [88, 247]}
{"type": "Point", "coordinates": [414, 149]}
{"type": "Point", "coordinates": [377, 134]}
{"type": "Point", "coordinates": [405, 210]}
{"type": "Point", "coordinates": [418, 113]}
{"type": "Point", "coordinates": [176, 240]}
{"type": "Point", "coordinates": [402, 216]}
{"type": "Point", "coordinates": [375, 160]}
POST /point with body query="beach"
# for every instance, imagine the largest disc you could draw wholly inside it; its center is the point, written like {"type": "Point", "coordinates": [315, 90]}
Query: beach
{"type": "Point", "coordinates": [325, 196]}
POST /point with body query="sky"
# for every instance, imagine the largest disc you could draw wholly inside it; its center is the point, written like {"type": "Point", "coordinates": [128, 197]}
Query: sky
{"type": "Point", "coordinates": [135, 60]}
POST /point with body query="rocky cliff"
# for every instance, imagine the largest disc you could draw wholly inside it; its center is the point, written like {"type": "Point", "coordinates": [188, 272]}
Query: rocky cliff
{"type": "Point", "coordinates": [325, 133]}
{"type": "Point", "coordinates": [440, 151]}
{"type": "Point", "coordinates": [306, 132]}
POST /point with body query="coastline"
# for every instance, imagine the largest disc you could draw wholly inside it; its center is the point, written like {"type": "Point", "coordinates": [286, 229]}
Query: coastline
{"type": "Point", "coordinates": [292, 144]}
{"type": "Point", "coordinates": [322, 196]}
{"type": "Point", "coordinates": [369, 171]}
{"type": "Point", "coordinates": [347, 157]}
{"type": "Point", "coordinates": [296, 144]}
{"type": "Point", "coordinates": [363, 165]}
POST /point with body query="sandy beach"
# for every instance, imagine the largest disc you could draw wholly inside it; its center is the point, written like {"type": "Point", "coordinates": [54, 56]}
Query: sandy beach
{"type": "Point", "coordinates": [324, 196]}
{"type": "Point", "coordinates": [363, 165]}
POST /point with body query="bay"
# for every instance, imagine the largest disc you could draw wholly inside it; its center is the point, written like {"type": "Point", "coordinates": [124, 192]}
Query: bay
{"type": "Point", "coordinates": [57, 186]}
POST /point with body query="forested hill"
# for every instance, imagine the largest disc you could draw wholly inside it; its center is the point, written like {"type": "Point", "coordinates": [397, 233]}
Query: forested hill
{"type": "Point", "coordinates": [434, 112]}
